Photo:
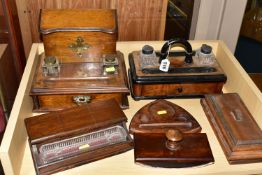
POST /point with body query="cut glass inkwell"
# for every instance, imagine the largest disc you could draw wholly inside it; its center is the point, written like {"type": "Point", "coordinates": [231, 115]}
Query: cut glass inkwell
{"type": "Point", "coordinates": [205, 55]}
{"type": "Point", "coordinates": [50, 66]}
{"type": "Point", "coordinates": [110, 64]}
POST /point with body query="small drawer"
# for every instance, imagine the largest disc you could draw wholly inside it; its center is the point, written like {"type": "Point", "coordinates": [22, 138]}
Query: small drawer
{"type": "Point", "coordinates": [171, 90]}
{"type": "Point", "coordinates": [58, 102]}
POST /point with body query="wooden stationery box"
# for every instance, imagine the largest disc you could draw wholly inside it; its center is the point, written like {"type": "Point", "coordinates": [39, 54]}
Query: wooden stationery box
{"type": "Point", "coordinates": [78, 35]}
{"type": "Point", "coordinates": [79, 83]}
{"type": "Point", "coordinates": [238, 133]}
{"type": "Point", "coordinates": [73, 137]}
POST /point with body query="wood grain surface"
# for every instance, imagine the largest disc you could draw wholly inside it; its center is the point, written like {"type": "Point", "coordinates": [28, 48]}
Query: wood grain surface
{"type": "Point", "coordinates": [138, 20]}
{"type": "Point", "coordinates": [155, 90]}
{"type": "Point", "coordinates": [152, 149]}
{"type": "Point", "coordinates": [235, 128]}
{"type": "Point", "coordinates": [160, 115]}
{"type": "Point", "coordinates": [56, 93]}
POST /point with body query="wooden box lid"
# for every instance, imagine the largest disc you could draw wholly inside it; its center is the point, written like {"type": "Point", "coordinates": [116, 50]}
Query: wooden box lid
{"type": "Point", "coordinates": [234, 126]}
{"type": "Point", "coordinates": [71, 121]}
{"type": "Point", "coordinates": [58, 20]}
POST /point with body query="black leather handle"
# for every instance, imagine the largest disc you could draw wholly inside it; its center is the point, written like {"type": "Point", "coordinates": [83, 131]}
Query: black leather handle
{"type": "Point", "coordinates": [177, 43]}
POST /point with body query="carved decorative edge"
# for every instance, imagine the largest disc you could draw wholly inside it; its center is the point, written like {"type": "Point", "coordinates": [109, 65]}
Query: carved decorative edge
{"type": "Point", "coordinates": [78, 29]}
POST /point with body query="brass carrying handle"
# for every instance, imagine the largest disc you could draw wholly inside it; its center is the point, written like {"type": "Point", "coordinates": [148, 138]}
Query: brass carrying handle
{"type": "Point", "coordinates": [81, 99]}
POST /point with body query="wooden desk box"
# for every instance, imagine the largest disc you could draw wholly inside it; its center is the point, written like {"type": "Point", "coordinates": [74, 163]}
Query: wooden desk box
{"type": "Point", "coordinates": [78, 35]}
{"type": "Point", "coordinates": [79, 83]}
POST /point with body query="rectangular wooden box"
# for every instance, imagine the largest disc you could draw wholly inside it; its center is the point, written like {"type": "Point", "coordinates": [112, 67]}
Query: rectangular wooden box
{"type": "Point", "coordinates": [72, 137]}
{"type": "Point", "coordinates": [79, 83]}
{"type": "Point", "coordinates": [15, 151]}
{"type": "Point", "coordinates": [78, 35]}
{"type": "Point", "coordinates": [237, 131]}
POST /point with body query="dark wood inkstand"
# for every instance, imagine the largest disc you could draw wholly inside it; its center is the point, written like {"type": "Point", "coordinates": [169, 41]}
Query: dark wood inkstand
{"type": "Point", "coordinates": [166, 135]}
{"type": "Point", "coordinates": [189, 74]}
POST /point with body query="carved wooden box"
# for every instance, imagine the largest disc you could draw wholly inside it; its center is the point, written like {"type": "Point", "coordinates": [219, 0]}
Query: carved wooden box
{"type": "Point", "coordinates": [236, 130]}
{"type": "Point", "coordinates": [78, 35]}
{"type": "Point", "coordinates": [73, 137]}
{"type": "Point", "coordinates": [79, 83]}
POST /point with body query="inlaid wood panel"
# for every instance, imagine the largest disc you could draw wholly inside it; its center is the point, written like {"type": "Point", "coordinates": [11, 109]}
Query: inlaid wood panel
{"type": "Point", "coordinates": [138, 19]}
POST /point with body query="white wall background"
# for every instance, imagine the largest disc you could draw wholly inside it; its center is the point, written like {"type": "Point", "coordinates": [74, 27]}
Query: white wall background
{"type": "Point", "coordinates": [220, 19]}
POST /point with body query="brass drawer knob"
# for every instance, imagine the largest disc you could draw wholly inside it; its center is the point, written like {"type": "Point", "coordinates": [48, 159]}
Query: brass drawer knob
{"type": "Point", "coordinates": [81, 99]}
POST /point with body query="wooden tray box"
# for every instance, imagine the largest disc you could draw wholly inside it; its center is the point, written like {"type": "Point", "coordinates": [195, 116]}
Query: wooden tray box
{"type": "Point", "coordinates": [78, 35]}
{"type": "Point", "coordinates": [69, 138]}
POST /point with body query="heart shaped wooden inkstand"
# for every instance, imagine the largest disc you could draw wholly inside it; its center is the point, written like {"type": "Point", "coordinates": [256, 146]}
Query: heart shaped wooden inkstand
{"type": "Point", "coordinates": [166, 135]}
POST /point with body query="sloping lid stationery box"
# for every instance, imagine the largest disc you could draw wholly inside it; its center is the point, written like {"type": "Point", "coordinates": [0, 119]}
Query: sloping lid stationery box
{"type": "Point", "coordinates": [82, 77]}
{"type": "Point", "coordinates": [96, 28]}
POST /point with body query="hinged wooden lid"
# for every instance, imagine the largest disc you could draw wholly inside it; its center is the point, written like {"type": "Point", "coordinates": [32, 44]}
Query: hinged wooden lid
{"type": "Point", "coordinates": [81, 119]}
{"type": "Point", "coordinates": [237, 131]}
{"type": "Point", "coordinates": [64, 20]}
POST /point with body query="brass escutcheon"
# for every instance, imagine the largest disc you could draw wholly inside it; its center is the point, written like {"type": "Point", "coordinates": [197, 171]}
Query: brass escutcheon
{"type": "Point", "coordinates": [79, 46]}
{"type": "Point", "coordinates": [81, 99]}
